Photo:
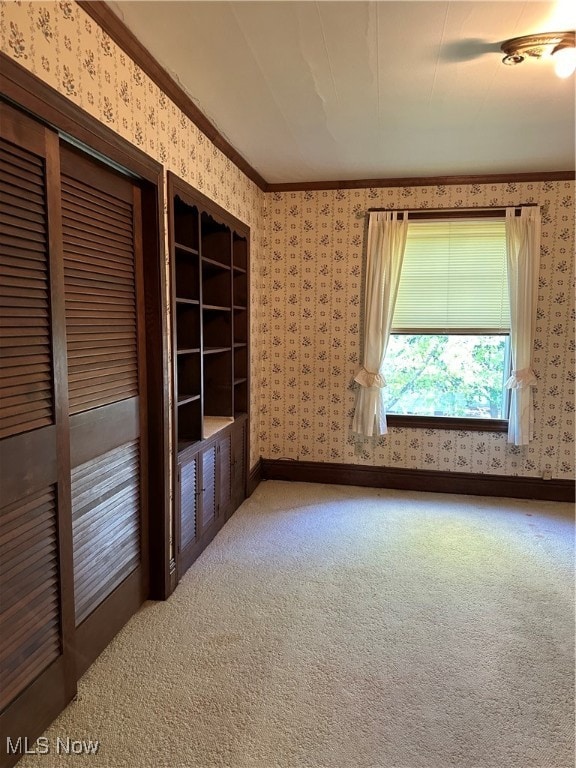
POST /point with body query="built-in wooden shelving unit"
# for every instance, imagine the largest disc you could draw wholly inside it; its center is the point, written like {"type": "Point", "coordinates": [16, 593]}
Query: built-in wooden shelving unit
{"type": "Point", "coordinates": [210, 261]}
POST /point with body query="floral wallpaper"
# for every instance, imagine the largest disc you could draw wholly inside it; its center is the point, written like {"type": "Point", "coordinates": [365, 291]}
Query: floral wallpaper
{"type": "Point", "coordinates": [63, 46]}
{"type": "Point", "coordinates": [311, 339]}
{"type": "Point", "coordinates": [307, 268]}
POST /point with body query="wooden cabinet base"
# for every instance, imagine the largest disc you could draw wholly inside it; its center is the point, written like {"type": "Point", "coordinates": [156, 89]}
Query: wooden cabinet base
{"type": "Point", "coordinates": [210, 486]}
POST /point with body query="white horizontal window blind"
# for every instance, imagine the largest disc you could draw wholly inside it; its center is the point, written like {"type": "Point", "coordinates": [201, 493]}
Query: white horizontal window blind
{"type": "Point", "coordinates": [454, 277]}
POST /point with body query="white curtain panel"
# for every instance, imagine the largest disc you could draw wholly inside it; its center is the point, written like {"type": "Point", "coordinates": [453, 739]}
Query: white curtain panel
{"type": "Point", "coordinates": [384, 254]}
{"type": "Point", "coordinates": [523, 261]}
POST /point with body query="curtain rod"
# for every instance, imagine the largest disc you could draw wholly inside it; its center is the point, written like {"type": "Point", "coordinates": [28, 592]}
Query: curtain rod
{"type": "Point", "coordinates": [493, 209]}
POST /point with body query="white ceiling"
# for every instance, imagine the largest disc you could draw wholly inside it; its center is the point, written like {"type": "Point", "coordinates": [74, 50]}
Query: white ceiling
{"type": "Point", "coordinates": [311, 91]}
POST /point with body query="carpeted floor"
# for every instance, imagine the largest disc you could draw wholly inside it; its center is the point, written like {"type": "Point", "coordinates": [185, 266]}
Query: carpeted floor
{"type": "Point", "coordinates": [337, 627]}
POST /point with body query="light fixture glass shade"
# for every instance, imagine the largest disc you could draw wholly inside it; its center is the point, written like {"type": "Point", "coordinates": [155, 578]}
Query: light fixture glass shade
{"type": "Point", "coordinates": [564, 62]}
{"type": "Point", "coordinates": [560, 45]}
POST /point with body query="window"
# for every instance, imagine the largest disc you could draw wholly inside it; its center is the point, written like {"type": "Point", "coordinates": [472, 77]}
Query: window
{"type": "Point", "coordinates": [449, 353]}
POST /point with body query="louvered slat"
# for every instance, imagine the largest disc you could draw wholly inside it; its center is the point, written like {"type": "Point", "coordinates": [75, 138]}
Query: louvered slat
{"type": "Point", "coordinates": [86, 400]}
{"type": "Point", "coordinates": [106, 525]}
{"type": "Point", "coordinates": [27, 207]}
{"type": "Point", "coordinates": [100, 361]}
{"type": "Point", "coordinates": [188, 502]}
{"type": "Point", "coordinates": [29, 602]}
{"type": "Point", "coordinates": [36, 663]}
{"type": "Point", "coordinates": [16, 216]}
{"type": "Point", "coordinates": [23, 184]}
{"type": "Point", "coordinates": [18, 631]}
{"type": "Point", "coordinates": [13, 563]}
{"type": "Point", "coordinates": [85, 209]}
{"type": "Point", "coordinates": [24, 302]}
{"type": "Point", "coordinates": [104, 273]}
{"type": "Point", "coordinates": [100, 296]}
{"type": "Point", "coordinates": [44, 609]}
{"type": "Point", "coordinates": [11, 366]}
{"type": "Point", "coordinates": [94, 199]}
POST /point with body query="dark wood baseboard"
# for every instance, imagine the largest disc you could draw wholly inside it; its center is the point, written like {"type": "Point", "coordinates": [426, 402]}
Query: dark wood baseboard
{"type": "Point", "coordinates": [419, 480]}
{"type": "Point", "coordinates": [255, 477]}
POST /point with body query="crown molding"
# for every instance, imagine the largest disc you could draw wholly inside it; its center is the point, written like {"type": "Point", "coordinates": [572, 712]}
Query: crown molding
{"type": "Point", "coordinates": [122, 36]}
{"type": "Point", "coordinates": [423, 181]}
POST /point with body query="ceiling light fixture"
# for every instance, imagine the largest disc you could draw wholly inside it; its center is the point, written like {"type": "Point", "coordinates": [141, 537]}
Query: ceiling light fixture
{"type": "Point", "coordinates": [561, 46]}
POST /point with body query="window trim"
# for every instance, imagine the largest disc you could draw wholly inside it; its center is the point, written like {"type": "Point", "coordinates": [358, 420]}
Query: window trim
{"type": "Point", "coordinates": [447, 422]}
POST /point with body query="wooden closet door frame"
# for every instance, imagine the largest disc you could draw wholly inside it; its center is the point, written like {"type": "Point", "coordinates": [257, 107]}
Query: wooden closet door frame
{"type": "Point", "coordinates": [31, 94]}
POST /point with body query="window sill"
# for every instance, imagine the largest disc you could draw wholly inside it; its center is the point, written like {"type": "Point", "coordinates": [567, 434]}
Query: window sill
{"type": "Point", "coordinates": [448, 422]}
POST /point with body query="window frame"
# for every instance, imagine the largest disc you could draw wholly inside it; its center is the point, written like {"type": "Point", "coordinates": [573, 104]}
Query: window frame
{"type": "Point", "coordinates": [449, 422]}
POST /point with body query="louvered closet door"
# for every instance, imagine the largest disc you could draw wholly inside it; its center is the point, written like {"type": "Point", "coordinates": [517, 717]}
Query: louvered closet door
{"type": "Point", "coordinates": [101, 243]}
{"type": "Point", "coordinates": [37, 676]}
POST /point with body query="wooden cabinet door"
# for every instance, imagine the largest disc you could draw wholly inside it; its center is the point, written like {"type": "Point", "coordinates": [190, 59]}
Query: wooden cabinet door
{"type": "Point", "coordinates": [210, 485]}
{"type": "Point", "coordinates": [187, 512]}
{"type": "Point", "coordinates": [188, 487]}
{"type": "Point", "coordinates": [104, 307]}
{"type": "Point", "coordinates": [37, 675]}
{"type": "Point", "coordinates": [224, 477]}
{"type": "Point", "coordinates": [208, 488]}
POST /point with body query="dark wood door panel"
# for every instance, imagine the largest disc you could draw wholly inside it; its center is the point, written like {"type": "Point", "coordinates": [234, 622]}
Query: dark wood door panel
{"type": "Point", "coordinates": [106, 367]}
{"type": "Point", "coordinates": [28, 462]}
{"type": "Point", "coordinates": [100, 279]}
{"type": "Point", "coordinates": [29, 576]}
{"type": "Point", "coordinates": [105, 524]}
{"type": "Point", "coordinates": [25, 322]}
{"type": "Point", "coordinates": [36, 589]}
{"type": "Point", "coordinates": [100, 430]}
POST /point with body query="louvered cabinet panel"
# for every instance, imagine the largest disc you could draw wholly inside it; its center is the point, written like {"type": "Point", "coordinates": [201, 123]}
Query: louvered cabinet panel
{"type": "Point", "coordinates": [25, 336]}
{"type": "Point", "coordinates": [188, 501]}
{"type": "Point", "coordinates": [99, 275]}
{"type": "Point", "coordinates": [225, 474]}
{"type": "Point", "coordinates": [208, 486]}
{"type": "Point", "coordinates": [29, 591]}
{"type": "Point", "coordinates": [105, 525]}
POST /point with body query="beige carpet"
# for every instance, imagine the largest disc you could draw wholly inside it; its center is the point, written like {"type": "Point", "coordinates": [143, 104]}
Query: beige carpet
{"type": "Point", "coordinates": [337, 627]}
